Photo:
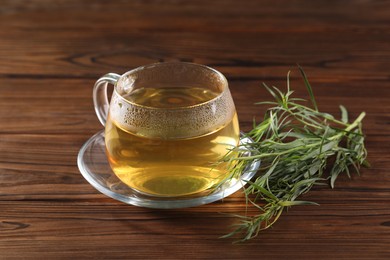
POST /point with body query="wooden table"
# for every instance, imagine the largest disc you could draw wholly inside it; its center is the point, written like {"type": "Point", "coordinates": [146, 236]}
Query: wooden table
{"type": "Point", "coordinates": [51, 53]}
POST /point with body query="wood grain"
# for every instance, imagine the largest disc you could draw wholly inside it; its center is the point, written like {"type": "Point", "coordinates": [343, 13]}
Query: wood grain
{"type": "Point", "coordinates": [51, 53]}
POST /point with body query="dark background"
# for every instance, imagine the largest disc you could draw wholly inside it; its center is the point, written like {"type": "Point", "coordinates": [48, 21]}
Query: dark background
{"type": "Point", "coordinates": [51, 53]}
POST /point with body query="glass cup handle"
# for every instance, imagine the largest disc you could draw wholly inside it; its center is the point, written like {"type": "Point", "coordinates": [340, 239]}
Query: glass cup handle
{"type": "Point", "coordinates": [100, 100]}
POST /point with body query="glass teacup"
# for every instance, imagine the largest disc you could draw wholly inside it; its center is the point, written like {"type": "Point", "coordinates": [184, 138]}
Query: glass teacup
{"type": "Point", "coordinates": [167, 127]}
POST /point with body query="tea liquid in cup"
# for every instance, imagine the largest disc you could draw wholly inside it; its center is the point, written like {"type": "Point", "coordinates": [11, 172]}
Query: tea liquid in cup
{"type": "Point", "coordinates": [167, 127]}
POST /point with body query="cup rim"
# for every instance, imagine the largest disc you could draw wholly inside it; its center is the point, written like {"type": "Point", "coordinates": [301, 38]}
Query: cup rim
{"type": "Point", "coordinates": [152, 65]}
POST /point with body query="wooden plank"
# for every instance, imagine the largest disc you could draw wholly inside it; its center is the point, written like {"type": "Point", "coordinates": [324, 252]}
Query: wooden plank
{"type": "Point", "coordinates": [52, 106]}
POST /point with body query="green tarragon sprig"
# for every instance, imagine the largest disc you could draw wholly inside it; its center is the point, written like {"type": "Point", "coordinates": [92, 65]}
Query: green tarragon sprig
{"type": "Point", "coordinates": [295, 144]}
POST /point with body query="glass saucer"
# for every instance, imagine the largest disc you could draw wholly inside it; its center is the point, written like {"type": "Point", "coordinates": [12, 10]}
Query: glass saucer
{"type": "Point", "coordinates": [94, 166]}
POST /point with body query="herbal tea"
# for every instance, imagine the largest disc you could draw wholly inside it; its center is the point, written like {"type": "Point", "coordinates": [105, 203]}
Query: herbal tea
{"type": "Point", "coordinates": [166, 141]}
